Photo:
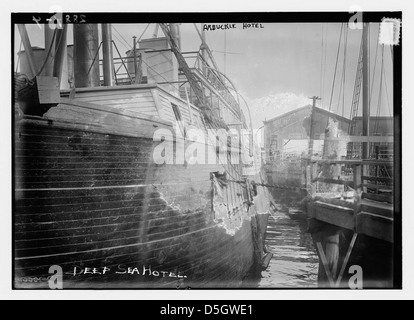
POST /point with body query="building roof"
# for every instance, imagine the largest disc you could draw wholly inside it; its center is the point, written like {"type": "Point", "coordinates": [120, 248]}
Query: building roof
{"type": "Point", "coordinates": [323, 111]}
{"type": "Point", "coordinates": [376, 118]}
{"type": "Point", "coordinates": [288, 113]}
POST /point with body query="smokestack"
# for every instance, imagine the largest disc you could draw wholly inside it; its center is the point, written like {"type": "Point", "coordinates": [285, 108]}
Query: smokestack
{"type": "Point", "coordinates": [86, 59]}
{"type": "Point", "coordinates": [28, 49]}
{"type": "Point", "coordinates": [108, 64]}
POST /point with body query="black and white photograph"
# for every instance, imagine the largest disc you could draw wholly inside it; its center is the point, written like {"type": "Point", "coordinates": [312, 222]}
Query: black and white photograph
{"type": "Point", "coordinates": [211, 150]}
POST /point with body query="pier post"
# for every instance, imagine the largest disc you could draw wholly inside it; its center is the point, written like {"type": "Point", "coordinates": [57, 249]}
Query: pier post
{"type": "Point", "coordinates": [332, 252]}
{"type": "Point", "coordinates": [315, 175]}
{"type": "Point", "coordinates": [327, 243]}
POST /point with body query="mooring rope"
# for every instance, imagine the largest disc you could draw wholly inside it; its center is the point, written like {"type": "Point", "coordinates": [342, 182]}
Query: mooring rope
{"type": "Point", "coordinates": [279, 186]}
{"type": "Point", "coordinates": [276, 186]}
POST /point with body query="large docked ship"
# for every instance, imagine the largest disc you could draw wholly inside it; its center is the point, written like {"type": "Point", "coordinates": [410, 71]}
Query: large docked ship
{"type": "Point", "coordinates": [136, 182]}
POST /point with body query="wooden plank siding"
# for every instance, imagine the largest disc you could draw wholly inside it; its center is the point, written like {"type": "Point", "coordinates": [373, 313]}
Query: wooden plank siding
{"type": "Point", "coordinates": [78, 206]}
{"type": "Point", "coordinates": [141, 101]}
{"type": "Point", "coordinates": [88, 193]}
{"type": "Point", "coordinates": [168, 111]}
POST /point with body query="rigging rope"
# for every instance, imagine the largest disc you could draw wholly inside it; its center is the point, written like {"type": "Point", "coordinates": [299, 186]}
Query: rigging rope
{"type": "Point", "coordinates": [231, 166]}
{"type": "Point", "coordinates": [336, 66]}
{"type": "Point", "coordinates": [386, 91]}
{"type": "Point", "coordinates": [380, 93]}
{"type": "Point", "coordinates": [324, 64]}
{"type": "Point", "coordinates": [49, 50]}
{"type": "Point", "coordinates": [342, 85]}
{"type": "Point", "coordinates": [369, 69]}
{"type": "Point", "coordinates": [277, 186]}
{"type": "Point", "coordinates": [122, 60]}
{"type": "Point", "coordinates": [126, 42]}
{"type": "Point", "coordinates": [344, 72]}
{"type": "Point", "coordinates": [143, 32]}
{"type": "Point", "coordinates": [213, 122]}
{"type": "Point", "coordinates": [320, 80]}
{"type": "Point", "coordinates": [120, 42]}
{"type": "Point", "coordinates": [128, 45]}
{"type": "Point", "coordinates": [373, 76]}
{"type": "Point", "coordinates": [357, 91]}
{"type": "Point", "coordinates": [18, 56]}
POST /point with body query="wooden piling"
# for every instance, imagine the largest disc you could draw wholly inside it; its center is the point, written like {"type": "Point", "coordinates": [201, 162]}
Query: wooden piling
{"type": "Point", "coordinates": [327, 243]}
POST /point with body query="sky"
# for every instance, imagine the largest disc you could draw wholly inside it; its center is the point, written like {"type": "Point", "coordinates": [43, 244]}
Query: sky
{"type": "Point", "coordinates": [278, 66]}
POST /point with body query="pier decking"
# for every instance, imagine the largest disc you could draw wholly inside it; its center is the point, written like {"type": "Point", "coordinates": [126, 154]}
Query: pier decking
{"type": "Point", "coordinates": [359, 201]}
{"type": "Point", "coordinates": [370, 211]}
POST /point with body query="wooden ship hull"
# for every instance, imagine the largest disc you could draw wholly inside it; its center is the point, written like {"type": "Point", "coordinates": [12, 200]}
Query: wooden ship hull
{"type": "Point", "coordinates": [123, 186]}
{"type": "Point", "coordinates": [88, 195]}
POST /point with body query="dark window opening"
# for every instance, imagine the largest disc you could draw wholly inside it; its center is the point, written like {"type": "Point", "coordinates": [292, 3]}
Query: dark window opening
{"type": "Point", "coordinates": [178, 117]}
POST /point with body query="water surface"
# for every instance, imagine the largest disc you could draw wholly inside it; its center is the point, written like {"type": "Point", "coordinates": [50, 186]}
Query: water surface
{"type": "Point", "coordinates": [295, 261]}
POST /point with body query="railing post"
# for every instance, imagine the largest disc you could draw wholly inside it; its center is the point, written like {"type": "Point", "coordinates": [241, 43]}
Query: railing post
{"type": "Point", "coordinates": [304, 177]}
{"type": "Point", "coordinates": [365, 172]}
{"type": "Point", "coordinates": [315, 175]}
{"type": "Point", "coordinates": [357, 172]}
{"type": "Point", "coordinates": [308, 175]}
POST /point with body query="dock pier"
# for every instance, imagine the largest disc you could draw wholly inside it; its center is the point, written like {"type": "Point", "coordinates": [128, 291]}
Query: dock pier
{"type": "Point", "coordinates": [353, 229]}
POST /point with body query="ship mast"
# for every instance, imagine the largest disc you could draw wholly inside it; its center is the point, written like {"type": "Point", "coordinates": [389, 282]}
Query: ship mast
{"type": "Point", "coordinates": [311, 131]}
{"type": "Point", "coordinates": [365, 90]}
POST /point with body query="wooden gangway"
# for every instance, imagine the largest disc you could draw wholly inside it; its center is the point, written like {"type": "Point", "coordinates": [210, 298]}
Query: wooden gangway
{"type": "Point", "coordinates": [366, 203]}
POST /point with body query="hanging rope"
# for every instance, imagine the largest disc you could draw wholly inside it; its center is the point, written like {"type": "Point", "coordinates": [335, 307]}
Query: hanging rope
{"type": "Point", "coordinates": [143, 32]}
{"type": "Point", "coordinates": [276, 186]}
{"type": "Point", "coordinates": [18, 57]}
{"type": "Point", "coordinates": [121, 42]}
{"type": "Point", "coordinates": [369, 68]}
{"type": "Point", "coordinates": [342, 85]}
{"type": "Point", "coordinates": [380, 93]}
{"type": "Point", "coordinates": [344, 73]}
{"type": "Point", "coordinates": [324, 65]}
{"type": "Point", "coordinates": [357, 91]}
{"type": "Point", "coordinates": [128, 45]}
{"type": "Point", "coordinates": [49, 50]}
{"type": "Point", "coordinates": [321, 75]}
{"type": "Point", "coordinates": [122, 61]}
{"type": "Point", "coordinates": [373, 76]}
{"type": "Point", "coordinates": [386, 91]}
{"type": "Point", "coordinates": [126, 42]}
{"type": "Point", "coordinates": [336, 66]}
{"type": "Point", "coordinates": [280, 186]}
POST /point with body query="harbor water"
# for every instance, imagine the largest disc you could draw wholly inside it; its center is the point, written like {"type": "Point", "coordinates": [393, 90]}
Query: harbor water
{"type": "Point", "coordinates": [295, 262]}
